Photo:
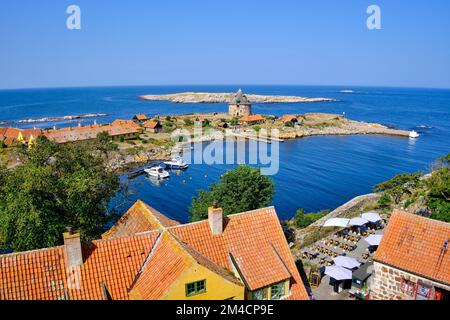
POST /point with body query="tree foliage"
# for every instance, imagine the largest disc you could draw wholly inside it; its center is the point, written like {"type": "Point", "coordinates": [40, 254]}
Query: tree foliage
{"type": "Point", "coordinates": [438, 197]}
{"type": "Point", "coordinates": [398, 186]}
{"type": "Point", "coordinates": [240, 189]}
{"type": "Point", "coordinates": [56, 186]}
{"type": "Point", "coordinates": [303, 219]}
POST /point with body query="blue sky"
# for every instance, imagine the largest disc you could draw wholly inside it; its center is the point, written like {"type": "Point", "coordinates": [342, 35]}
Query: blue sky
{"type": "Point", "coordinates": [320, 42]}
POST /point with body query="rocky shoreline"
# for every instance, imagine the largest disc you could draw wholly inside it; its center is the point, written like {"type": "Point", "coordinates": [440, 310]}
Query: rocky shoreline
{"type": "Point", "coordinates": [204, 97]}
{"type": "Point", "coordinates": [349, 127]}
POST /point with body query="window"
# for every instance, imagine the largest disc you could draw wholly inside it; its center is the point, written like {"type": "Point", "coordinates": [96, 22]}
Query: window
{"type": "Point", "coordinates": [277, 291]}
{"type": "Point", "coordinates": [195, 288]}
{"type": "Point", "coordinates": [260, 294]}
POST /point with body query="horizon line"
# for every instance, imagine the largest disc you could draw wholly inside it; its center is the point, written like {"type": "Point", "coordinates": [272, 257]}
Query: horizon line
{"type": "Point", "coordinates": [344, 87]}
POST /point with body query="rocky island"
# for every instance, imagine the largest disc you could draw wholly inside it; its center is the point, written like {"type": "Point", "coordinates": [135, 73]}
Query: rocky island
{"type": "Point", "coordinates": [204, 97]}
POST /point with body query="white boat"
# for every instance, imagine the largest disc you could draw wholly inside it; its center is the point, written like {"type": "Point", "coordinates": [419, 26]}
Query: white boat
{"type": "Point", "coordinates": [176, 163]}
{"type": "Point", "coordinates": [414, 134]}
{"type": "Point", "coordinates": [157, 172]}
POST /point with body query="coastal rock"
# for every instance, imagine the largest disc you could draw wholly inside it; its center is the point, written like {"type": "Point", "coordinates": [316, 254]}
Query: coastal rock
{"type": "Point", "coordinates": [204, 97]}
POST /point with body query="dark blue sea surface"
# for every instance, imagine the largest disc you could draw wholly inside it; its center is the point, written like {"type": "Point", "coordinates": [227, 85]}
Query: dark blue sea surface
{"type": "Point", "coordinates": [315, 172]}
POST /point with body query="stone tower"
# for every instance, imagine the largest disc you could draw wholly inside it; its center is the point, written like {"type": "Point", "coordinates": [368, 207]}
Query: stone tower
{"type": "Point", "coordinates": [239, 105]}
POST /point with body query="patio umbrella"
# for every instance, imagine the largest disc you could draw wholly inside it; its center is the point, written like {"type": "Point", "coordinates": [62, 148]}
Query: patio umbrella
{"type": "Point", "coordinates": [336, 222]}
{"type": "Point", "coordinates": [374, 239]}
{"type": "Point", "coordinates": [371, 216]}
{"type": "Point", "coordinates": [338, 273]}
{"type": "Point", "coordinates": [346, 262]}
{"type": "Point", "coordinates": [358, 222]}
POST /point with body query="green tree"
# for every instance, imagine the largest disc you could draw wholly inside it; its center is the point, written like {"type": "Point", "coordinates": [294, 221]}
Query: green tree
{"type": "Point", "coordinates": [56, 186]}
{"type": "Point", "coordinates": [234, 121]}
{"type": "Point", "coordinates": [438, 196]}
{"type": "Point", "coordinates": [399, 186]}
{"type": "Point", "coordinates": [104, 144]}
{"type": "Point", "coordinates": [385, 200]}
{"type": "Point", "coordinates": [240, 189]}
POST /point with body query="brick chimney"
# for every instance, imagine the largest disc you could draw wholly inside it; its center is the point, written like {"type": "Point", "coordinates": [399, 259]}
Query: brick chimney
{"type": "Point", "coordinates": [215, 218]}
{"type": "Point", "coordinates": [74, 253]}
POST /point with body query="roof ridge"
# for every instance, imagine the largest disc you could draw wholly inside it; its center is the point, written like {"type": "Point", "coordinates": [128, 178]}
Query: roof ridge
{"type": "Point", "coordinates": [186, 248]}
{"type": "Point", "coordinates": [30, 251]}
{"type": "Point", "coordinates": [416, 216]}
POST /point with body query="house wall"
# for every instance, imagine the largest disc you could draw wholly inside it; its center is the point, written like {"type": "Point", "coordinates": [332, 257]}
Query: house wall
{"type": "Point", "coordinates": [237, 110]}
{"type": "Point", "coordinates": [387, 283]}
{"type": "Point", "coordinates": [217, 288]}
{"type": "Point", "coordinates": [287, 285]}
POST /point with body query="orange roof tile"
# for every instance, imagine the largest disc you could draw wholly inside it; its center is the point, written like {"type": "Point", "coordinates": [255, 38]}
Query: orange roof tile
{"type": "Point", "coordinates": [288, 118]}
{"type": "Point", "coordinates": [415, 244]}
{"type": "Point", "coordinates": [148, 263]}
{"type": "Point", "coordinates": [251, 118]}
{"type": "Point", "coordinates": [167, 262]}
{"type": "Point", "coordinates": [257, 244]}
{"type": "Point", "coordinates": [140, 116]}
{"type": "Point", "coordinates": [139, 218]}
{"type": "Point", "coordinates": [151, 124]}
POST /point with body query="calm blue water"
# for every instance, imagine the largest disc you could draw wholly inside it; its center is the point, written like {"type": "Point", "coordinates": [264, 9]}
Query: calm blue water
{"type": "Point", "coordinates": [315, 173]}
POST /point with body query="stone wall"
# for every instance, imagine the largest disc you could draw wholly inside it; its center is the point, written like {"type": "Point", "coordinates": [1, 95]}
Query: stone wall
{"type": "Point", "coordinates": [387, 283]}
{"type": "Point", "coordinates": [351, 208]}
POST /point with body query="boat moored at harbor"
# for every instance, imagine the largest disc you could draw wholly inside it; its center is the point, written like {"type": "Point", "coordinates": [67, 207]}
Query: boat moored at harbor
{"type": "Point", "coordinates": [157, 172]}
{"type": "Point", "coordinates": [176, 163]}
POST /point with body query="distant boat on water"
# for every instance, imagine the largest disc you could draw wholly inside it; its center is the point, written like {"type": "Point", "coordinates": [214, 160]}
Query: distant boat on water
{"type": "Point", "coordinates": [414, 134]}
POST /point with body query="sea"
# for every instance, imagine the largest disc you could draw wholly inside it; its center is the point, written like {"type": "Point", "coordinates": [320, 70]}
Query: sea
{"type": "Point", "coordinates": [315, 173]}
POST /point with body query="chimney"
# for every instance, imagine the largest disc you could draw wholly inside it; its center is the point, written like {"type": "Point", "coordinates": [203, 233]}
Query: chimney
{"type": "Point", "coordinates": [74, 254]}
{"type": "Point", "coordinates": [215, 218]}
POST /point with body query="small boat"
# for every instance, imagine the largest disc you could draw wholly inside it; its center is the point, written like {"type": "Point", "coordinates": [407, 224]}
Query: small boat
{"type": "Point", "coordinates": [157, 172]}
{"type": "Point", "coordinates": [176, 163]}
{"type": "Point", "coordinates": [414, 134]}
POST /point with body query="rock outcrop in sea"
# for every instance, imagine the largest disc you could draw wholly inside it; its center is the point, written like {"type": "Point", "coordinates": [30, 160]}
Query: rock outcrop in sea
{"type": "Point", "coordinates": [204, 97]}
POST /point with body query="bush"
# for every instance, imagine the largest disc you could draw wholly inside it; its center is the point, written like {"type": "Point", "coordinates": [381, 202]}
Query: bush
{"type": "Point", "coordinates": [289, 124]}
{"type": "Point", "coordinates": [121, 139]}
{"type": "Point", "coordinates": [168, 118]}
{"type": "Point", "coordinates": [302, 219]}
{"type": "Point", "coordinates": [384, 201]}
{"type": "Point", "coordinates": [2, 145]}
{"type": "Point", "coordinates": [188, 122]}
{"type": "Point", "coordinates": [256, 128]}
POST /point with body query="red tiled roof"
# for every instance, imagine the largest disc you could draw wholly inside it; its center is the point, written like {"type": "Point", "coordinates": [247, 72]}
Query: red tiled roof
{"type": "Point", "coordinates": [167, 262]}
{"type": "Point", "coordinates": [139, 218]}
{"type": "Point", "coordinates": [257, 244]}
{"type": "Point", "coordinates": [70, 134]}
{"type": "Point", "coordinates": [415, 244]}
{"type": "Point", "coordinates": [251, 118]}
{"type": "Point", "coordinates": [43, 274]}
{"type": "Point", "coordinates": [148, 263]}
{"type": "Point", "coordinates": [140, 116]}
{"type": "Point", "coordinates": [151, 124]}
{"type": "Point", "coordinates": [288, 118]}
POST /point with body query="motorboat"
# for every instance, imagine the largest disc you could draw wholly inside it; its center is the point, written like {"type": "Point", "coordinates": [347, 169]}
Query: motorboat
{"type": "Point", "coordinates": [176, 163]}
{"type": "Point", "coordinates": [157, 172]}
{"type": "Point", "coordinates": [414, 134]}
